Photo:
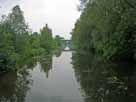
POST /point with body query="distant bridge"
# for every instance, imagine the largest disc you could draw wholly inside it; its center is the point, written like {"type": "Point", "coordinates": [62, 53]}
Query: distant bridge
{"type": "Point", "coordinates": [68, 45]}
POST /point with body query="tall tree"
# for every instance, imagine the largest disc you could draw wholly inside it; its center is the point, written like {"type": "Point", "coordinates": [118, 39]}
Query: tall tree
{"type": "Point", "coordinates": [107, 28]}
{"type": "Point", "coordinates": [19, 28]}
{"type": "Point", "coordinates": [46, 39]}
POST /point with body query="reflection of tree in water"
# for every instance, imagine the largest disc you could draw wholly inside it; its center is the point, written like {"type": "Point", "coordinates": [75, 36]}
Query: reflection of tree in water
{"type": "Point", "coordinates": [14, 86]}
{"type": "Point", "coordinates": [105, 82]}
{"type": "Point", "coordinates": [46, 64]}
{"type": "Point", "coordinates": [58, 53]}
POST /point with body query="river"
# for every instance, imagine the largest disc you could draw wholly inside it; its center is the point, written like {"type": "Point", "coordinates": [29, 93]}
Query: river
{"type": "Point", "coordinates": [55, 79]}
{"type": "Point", "coordinates": [49, 83]}
{"type": "Point", "coordinates": [59, 85]}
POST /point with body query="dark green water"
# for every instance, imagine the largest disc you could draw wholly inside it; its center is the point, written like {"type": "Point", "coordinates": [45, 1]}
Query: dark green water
{"type": "Point", "coordinates": [105, 81]}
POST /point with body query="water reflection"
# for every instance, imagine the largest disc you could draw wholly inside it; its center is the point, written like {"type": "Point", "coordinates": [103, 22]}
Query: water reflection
{"type": "Point", "coordinates": [33, 83]}
{"type": "Point", "coordinates": [46, 64]}
{"type": "Point", "coordinates": [59, 86]}
{"type": "Point", "coordinates": [99, 81]}
{"type": "Point", "coordinates": [58, 52]}
{"type": "Point", "coordinates": [13, 87]}
{"type": "Point", "coordinates": [105, 82]}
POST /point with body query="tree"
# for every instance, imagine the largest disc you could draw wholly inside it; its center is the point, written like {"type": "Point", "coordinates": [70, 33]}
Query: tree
{"type": "Point", "coordinates": [107, 28]}
{"type": "Point", "coordinates": [6, 46]}
{"type": "Point", "coordinates": [46, 39]}
{"type": "Point", "coordinates": [15, 39]}
{"type": "Point", "coordinates": [59, 42]}
{"type": "Point", "coordinates": [18, 45]}
{"type": "Point", "coordinates": [35, 44]}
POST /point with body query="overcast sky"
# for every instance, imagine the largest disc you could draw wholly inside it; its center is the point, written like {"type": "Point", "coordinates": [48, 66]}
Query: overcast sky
{"type": "Point", "coordinates": [60, 15]}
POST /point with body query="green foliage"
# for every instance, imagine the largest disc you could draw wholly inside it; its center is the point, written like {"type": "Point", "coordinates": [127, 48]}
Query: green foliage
{"type": "Point", "coordinates": [35, 44]}
{"type": "Point", "coordinates": [58, 42]}
{"type": "Point", "coordinates": [107, 28]}
{"type": "Point", "coordinates": [46, 39]}
{"type": "Point", "coordinates": [18, 45]}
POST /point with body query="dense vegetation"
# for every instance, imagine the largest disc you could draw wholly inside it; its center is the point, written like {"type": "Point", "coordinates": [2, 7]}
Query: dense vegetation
{"type": "Point", "coordinates": [18, 44]}
{"type": "Point", "coordinates": [59, 42]}
{"type": "Point", "coordinates": [106, 28]}
{"type": "Point", "coordinates": [104, 40]}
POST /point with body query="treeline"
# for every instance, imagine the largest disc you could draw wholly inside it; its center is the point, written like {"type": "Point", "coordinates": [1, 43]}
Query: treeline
{"type": "Point", "coordinates": [106, 28]}
{"type": "Point", "coordinates": [18, 44]}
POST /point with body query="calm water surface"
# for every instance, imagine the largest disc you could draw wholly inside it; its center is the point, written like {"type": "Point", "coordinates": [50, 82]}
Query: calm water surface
{"type": "Point", "coordinates": [46, 82]}
{"type": "Point", "coordinates": [55, 79]}
{"type": "Point", "coordinates": [56, 85]}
